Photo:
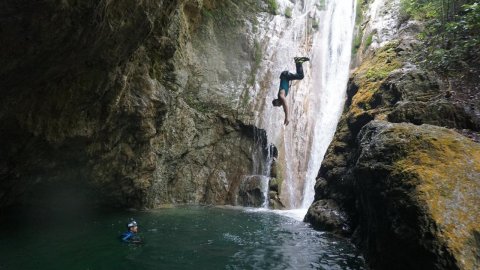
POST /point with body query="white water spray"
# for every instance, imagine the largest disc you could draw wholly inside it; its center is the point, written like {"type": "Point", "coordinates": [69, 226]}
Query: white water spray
{"type": "Point", "coordinates": [335, 48]}
{"type": "Point", "coordinates": [321, 30]}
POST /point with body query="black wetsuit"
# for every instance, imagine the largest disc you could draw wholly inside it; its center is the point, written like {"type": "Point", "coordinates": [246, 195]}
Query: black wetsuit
{"type": "Point", "coordinates": [286, 77]}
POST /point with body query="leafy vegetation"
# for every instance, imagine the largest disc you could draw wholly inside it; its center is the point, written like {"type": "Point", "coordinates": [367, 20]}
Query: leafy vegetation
{"type": "Point", "coordinates": [451, 35]}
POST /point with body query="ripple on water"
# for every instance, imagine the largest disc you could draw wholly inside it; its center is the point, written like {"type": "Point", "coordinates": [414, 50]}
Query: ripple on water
{"type": "Point", "coordinates": [178, 238]}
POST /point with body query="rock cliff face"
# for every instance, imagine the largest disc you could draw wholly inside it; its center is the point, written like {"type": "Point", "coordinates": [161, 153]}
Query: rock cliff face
{"type": "Point", "coordinates": [137, 100]}
{"type": "Point", "coordinates": [402, 173]}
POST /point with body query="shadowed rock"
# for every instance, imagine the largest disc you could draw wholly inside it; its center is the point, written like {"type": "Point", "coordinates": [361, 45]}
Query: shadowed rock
{"type": "Point", "coordinates": [118, 98]}
{"type": "Point", "coordinates": [326, 215]}
{"type": "Point", "coordinates": [252, 191]}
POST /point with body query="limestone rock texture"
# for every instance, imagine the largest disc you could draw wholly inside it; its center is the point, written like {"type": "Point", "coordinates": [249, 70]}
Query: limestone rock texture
{"type": "Point", "coordinates": [125, 103]}
{"type": "Point", "coordinates": [402, 172]}
{"type": "Point", "coordinates": [418, 188]}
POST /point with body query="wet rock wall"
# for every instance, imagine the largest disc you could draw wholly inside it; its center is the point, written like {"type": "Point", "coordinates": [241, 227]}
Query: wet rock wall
{"type": "Point", "coordinates": [135, 102]}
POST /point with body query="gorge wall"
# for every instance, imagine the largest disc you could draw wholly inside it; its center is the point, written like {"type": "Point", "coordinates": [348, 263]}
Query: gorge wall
{"type": "Point", "coordinates": [402, 175]}
{"type": "Point", "coordinates": [139, 104]}
{"type": "Point", "coordinates": [126, 103]}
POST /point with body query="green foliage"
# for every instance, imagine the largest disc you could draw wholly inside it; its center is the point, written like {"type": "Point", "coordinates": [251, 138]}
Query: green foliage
{"type": "Point", "coordinates": [452, 33]}
{"type": "Point", "coordinates": [288, 12]}
{"type": "Point", "coordinates": [272, 7]}
{"type": "Point", "coordinates": [419, 10]}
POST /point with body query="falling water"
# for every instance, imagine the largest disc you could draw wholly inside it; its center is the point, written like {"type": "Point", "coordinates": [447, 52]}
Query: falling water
{"type": "Point", "coordinates": [335, 49]}
{"type": "Point", "coordinates": [321, 30]}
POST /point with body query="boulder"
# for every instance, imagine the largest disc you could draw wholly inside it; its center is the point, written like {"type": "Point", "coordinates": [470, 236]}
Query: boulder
{"type": "Point", "coordinates": [253, 191]}
{"type": "Point", "coordinates": [417, 192]}
{"type": "Point", "coordinates": [326, 215]}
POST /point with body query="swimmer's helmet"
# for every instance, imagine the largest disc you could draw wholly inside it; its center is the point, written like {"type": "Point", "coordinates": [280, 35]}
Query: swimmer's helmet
{"type": "Point", "coordinates": [132, 223]}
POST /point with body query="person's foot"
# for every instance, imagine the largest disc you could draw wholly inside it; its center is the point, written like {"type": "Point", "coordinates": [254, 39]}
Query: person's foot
{"type": "Point", "coordinates": [300, 60]}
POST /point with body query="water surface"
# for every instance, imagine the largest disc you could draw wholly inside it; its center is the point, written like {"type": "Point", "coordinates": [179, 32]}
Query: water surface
{"type": "Point", "coordinates": [176, 238]}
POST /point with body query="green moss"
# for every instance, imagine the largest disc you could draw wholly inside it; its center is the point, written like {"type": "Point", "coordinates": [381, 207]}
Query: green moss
{"type": "Point", "coordinates": [363, 98]}
{"type": "Point", "coordinates": [357, 42]}
{"type": "Point", "coordinates": [288, 12]}
{"type": "Point", "coordinates": [358, 35]}
{"type": "Point", "coordinates": [369, 40]}
{"type": "Point", "coordinates": [444, 168]}
{"type": "Point", "coordinates": [384, 62]}
{"type": "Point", "coordinates": [369, 78]}
{"type": "Point", "coordinates": [272, 7]}
{"type": "Point", "coordinates": [359, 11]}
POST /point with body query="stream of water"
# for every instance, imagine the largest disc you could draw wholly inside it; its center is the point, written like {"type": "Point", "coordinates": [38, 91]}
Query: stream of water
{"type": "Point", "coordinates": [321, 30]}
{"type": "Point", "coordinates": [175, 238]}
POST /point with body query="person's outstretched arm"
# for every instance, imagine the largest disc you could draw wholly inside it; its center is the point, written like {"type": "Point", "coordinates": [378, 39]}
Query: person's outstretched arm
{"type": "Point", "coordinates": [281, 96]}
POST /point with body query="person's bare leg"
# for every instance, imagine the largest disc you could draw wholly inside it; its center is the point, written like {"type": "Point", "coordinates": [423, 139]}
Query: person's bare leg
{"type": "Point", "coordinates": [283, 99]}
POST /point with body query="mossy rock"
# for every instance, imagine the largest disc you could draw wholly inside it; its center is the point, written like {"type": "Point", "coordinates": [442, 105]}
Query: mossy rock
{"type": "Point", "coordinates": [439, 113]}
{"type": "Point", "coordinates": [368, 94]}
{"type": "Point", "coordinates": [418, 190]}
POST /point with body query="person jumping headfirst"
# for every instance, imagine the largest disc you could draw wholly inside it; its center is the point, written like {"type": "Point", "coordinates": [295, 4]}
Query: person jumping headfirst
{"type": "Point", "coordinates": [285, 78]}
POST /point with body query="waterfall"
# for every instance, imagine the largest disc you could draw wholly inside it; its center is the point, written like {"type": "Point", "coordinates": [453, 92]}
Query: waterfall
{"type": "Point", "coordinates": [321, 30]}
{"type": "Point", "coordinates": [332, 79]}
